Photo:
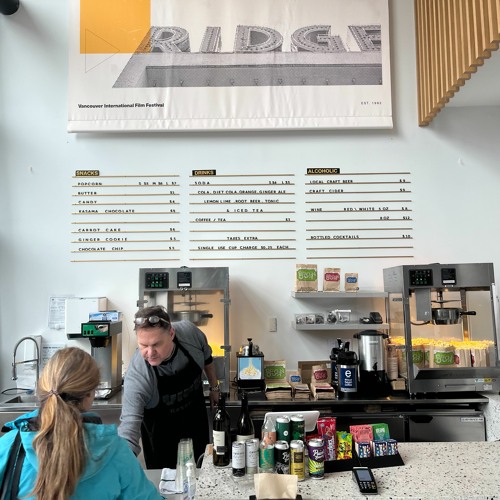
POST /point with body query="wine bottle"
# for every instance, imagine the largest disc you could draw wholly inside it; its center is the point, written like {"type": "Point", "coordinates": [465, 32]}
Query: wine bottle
{"type": "Point", "coordinates": [221, 434]}
{"type": "Point", "coordinates": [245, 428]}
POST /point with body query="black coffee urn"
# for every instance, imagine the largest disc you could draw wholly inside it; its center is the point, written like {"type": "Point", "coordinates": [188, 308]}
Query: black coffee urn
{"type": "Point", "coordinates": [347, 373]}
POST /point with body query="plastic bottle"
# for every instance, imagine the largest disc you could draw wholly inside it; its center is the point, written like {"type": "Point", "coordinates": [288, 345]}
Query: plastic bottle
{"type": "Point", "coordinates": [190, 488]}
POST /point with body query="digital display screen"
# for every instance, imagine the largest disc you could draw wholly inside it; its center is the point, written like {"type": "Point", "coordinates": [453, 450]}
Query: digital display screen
{"type": "Point", "coordinates": [363, 475]}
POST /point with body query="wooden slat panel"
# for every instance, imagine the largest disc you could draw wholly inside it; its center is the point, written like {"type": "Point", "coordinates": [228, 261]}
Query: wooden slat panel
{"type": "Point", "coordinates": [453, 38]}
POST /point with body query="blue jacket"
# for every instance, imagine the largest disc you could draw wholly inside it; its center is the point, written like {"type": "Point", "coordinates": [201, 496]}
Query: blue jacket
{"type": "Point", "coordinates": [112, 472]}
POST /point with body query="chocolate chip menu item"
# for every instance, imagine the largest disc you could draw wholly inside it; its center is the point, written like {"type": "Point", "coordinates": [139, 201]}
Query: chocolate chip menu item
{"type": "Point", "coordinates": [351, 282]}
{"type": "Point", "coordinates": [331, 279]}
{"type": "Point", "coordinates": [306, 278]}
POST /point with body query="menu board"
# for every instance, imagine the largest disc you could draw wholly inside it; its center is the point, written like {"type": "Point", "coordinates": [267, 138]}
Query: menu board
{"type": "Point", "coordinates": [211, 214]}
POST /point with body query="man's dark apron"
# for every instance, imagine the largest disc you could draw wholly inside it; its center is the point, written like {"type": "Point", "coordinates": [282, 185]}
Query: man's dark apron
{"type": "Point", "coordinates": [180, 413]}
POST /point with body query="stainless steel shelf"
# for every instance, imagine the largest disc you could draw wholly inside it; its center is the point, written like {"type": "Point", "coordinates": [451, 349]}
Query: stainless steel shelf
{"type": "Point", "coordinates": [341, 326]}
{"type": "Point", "coordinates": [339, 295]}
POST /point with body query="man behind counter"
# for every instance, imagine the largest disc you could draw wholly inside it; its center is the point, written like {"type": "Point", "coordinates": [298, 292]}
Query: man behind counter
{"type": "Point", "coordinates": [163, 397]}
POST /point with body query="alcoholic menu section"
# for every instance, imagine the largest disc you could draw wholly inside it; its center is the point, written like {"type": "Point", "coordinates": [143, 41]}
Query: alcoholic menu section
{"type": "Point", "coordinates": [323, 213]}
{"type": "Point", "coordinates": [241, 216]}
{"type": "Point", "coordinates": [124, 217]}
{"type": "Point", "coordinates": [356, 215]}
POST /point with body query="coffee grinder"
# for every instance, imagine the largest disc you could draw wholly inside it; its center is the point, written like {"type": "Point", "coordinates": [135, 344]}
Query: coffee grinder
{"type": "Point", "coordinates": [106, 348]}
{"type": "Point", "coordinates": [372, 351]}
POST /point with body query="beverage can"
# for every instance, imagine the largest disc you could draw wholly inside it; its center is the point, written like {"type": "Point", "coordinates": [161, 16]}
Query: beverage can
{"type": "Point", "coordinates": [297, 459]}
{"type": "Point", "coordinates": [238, 458]}
{"type": "Point", "coordinates": [298, 427]}
{"type": "Point", "coordinates": [283, 428]}
{"type": "Point", "coordinates": [252, 456]}
{"type": "Point", "coordinates": [316, 451]}
{"type": "Point", "coordinates": [282, 457]}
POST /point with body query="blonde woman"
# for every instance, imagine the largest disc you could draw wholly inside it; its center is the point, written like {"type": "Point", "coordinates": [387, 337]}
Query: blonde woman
{"type": "Point", "coordinates": [69, 453]}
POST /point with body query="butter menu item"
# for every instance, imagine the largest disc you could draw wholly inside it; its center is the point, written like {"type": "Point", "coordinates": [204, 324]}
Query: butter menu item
{"type": "Point", "coordinates": [306, 278]}
{"type": "Point", "coordinates": [331, 279]}
{"type": "Point", "coordinates": [351, 282]}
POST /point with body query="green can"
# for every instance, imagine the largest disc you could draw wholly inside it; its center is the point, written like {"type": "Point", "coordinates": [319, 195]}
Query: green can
{"type": "Point", "coordinates": [283, 428]}
{"type": "Point", "coordinates": [297, 423]}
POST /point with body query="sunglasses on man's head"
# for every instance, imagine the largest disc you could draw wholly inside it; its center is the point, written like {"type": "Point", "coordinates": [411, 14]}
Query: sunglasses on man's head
{"type": "Point", "coordinates": [152, 320]}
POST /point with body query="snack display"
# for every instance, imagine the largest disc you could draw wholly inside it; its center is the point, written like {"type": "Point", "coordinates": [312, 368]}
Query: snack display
{"type": "Point", "coordinates": [344, 445]}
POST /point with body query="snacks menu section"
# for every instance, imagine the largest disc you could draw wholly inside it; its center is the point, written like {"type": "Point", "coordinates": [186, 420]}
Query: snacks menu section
{"type": "Point", "coordinates": [358, 215]}
{"type": "Point", "coordinates": [241, 216]}
{"type": "Point", "coordinates": [124, 217]}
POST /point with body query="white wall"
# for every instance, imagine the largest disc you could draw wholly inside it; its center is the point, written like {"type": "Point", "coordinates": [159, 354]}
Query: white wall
{"type": "Point", "coordinates": [454, 162]}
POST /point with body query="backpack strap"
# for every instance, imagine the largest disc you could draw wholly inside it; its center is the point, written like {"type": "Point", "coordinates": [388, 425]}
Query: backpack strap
{"type": "Point", "coordinates": [10, 482]}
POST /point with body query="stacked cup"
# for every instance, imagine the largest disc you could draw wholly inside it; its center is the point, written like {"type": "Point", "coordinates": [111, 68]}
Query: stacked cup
{"type": "Point", "coordinates": [185, 455]}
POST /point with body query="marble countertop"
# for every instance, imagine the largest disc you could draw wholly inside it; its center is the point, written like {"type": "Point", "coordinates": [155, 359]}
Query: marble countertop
{"type": "Point", "coordinates": [458, 471]}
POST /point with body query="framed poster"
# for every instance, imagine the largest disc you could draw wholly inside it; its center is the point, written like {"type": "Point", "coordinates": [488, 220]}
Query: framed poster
{"type": "Point", "coordinates": [228, 65]}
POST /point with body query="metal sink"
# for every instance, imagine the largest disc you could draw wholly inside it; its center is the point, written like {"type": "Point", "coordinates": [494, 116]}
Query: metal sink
{"type": "Point", "coordinates": [20, 399]}
{"type": "Point", "coordinates": [24, 398]}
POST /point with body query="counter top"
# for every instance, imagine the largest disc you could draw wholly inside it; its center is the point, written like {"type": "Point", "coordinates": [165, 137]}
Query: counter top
{"type": "Point", "coordinates": [457, 471]}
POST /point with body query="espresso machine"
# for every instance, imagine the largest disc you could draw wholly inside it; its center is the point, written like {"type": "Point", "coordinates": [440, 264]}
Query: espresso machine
{"type": "Point", "coordinates": [444, 322]}
{"type": "Point", "coordinates": [106, 348]}
{"type": "Point", "coordinates": [199, 295]}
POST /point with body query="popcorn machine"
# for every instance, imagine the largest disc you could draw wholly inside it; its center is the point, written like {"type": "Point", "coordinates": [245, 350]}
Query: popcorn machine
{"type": "Point", "coordinates": [444, 324]}
{"type": "Point", "coordinates": [199, 295]}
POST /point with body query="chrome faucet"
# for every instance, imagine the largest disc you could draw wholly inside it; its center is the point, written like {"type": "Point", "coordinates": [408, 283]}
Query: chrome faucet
{"type": "Point", "coordinates": [37, 360]}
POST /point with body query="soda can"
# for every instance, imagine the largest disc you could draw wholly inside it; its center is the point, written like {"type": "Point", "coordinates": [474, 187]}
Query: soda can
{"type": "Point", "coordinates": [298, 427]}
{"type": "Point", "coordinates": [297, 459]}
{"type": "Point", "coordinates": [281, 457]}
{"type": "Point", "coordinates": [392, 447]}
{"type": "Point", "coordinates": [283, 428]}
{"type": "Point", "coordinates": [316, 450]}
{"type": "Point", "coordinates": [266, 457]}
{"type": "Point", "coordinates": [252, 456]}
{"type": "Point", "coordinates": [238, 458]}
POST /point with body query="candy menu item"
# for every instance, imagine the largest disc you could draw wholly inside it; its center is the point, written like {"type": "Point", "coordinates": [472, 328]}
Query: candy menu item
{"type": "Point", "coordinates": [361, 433]}
{"type": "Point", "coordinates": [380, 432]}
{"type": "Point", "coordinates": [344, 445]}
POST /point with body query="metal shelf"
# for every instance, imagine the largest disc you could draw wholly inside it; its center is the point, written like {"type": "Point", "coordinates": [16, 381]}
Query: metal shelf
{"type": "Point", "coordinates": [339, 295]}
{"type": "Point", "coordinates": [341, 326]}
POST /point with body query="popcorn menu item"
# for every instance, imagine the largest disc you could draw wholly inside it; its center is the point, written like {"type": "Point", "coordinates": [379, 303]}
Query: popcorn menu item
{"type": "Point", "coordinates": [445, 353]}
{"type": "Point", "coordinates": [331, 279]}
{"type": "Point", "coordinates": [306, 278]}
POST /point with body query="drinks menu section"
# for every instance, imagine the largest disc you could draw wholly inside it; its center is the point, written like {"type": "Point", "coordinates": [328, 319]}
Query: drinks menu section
{"type": "Point", "coordinates": [358, 215]}
{"type": "Point", "coordinates": [124, 217]}
{"type": "Point", "coordinates": [328, 213]}
{"type": "Point", "coordinates": [241, 216]}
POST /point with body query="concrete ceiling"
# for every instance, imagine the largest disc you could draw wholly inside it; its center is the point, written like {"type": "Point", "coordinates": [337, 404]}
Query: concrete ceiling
{"type": "Point", "coordinates": [483, 87]}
